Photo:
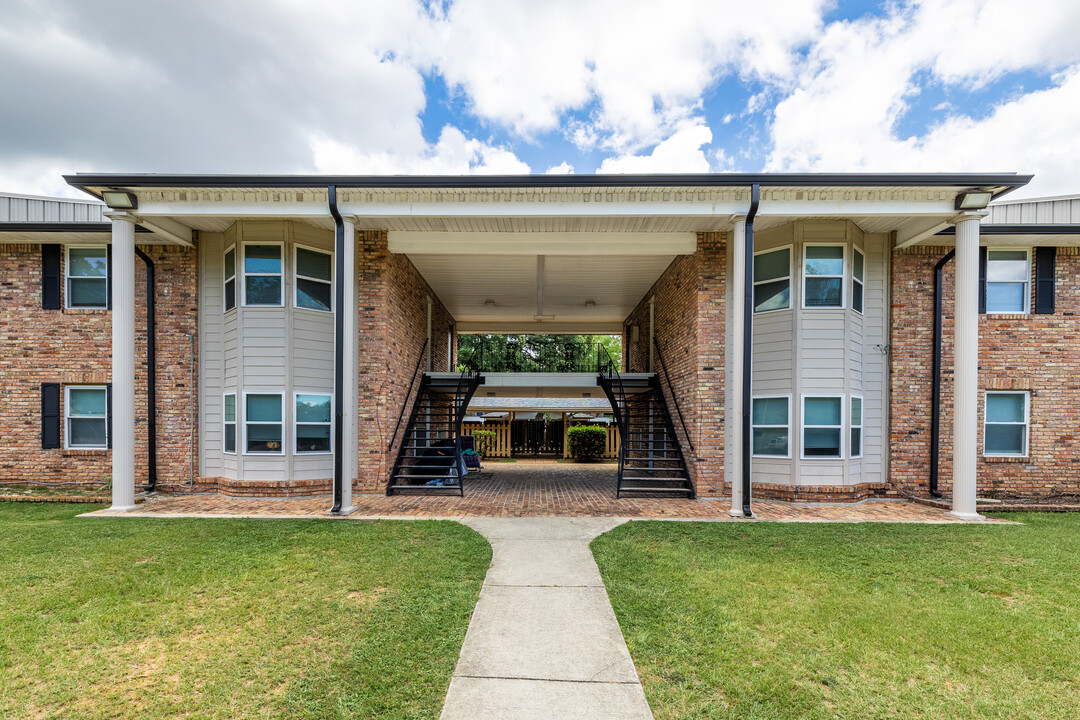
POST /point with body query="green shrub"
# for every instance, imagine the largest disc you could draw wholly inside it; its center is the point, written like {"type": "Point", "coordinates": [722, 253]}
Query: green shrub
{"type": "Point", "coordinates": [587, 442]}
{"type": "Point", "coordinates": [485, 441]}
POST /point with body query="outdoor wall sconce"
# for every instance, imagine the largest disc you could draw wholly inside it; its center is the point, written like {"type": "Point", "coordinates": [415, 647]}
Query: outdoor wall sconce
{"type": "Point", "coordinates": [973, 199]}
{"type": "Point", "coordinates": [120, 200]}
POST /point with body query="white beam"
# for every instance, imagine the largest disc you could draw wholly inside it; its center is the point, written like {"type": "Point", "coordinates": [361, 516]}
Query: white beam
{"type": "Point", "coordinates": [541, 243]}
{"type": "Point", "coordinates": [916, 232]}
{"type": "Point", "coordinates": [539, 286]}
{"type": "Point", "coordinates": [123, 362]}
{"type": "Point", "coordinates": [733, 404]}
{"type": "Point", "coordinates": [350, 421]}
{"type": "Point", "coordinates": [169, 229]}
{"type": "Point", "coordinates": [539, 328]}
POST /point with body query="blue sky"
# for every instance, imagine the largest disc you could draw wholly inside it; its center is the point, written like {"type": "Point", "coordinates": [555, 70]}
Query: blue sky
{"type": "Point", "coordinates": [475, 86]}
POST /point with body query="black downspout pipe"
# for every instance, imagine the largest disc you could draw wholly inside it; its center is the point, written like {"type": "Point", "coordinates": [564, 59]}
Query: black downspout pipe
{"type": "Point", "coordinates": [339, 345]}
{"type": "Point", "coordinates": [151, 374]}
{"type": "Point", "coordinates": [935, 399]}
{"type": "Point", "coordinates": [748, 345]}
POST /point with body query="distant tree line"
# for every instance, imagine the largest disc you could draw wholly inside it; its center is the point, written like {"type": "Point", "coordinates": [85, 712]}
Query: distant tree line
{"type": "Point", "coordinates": [536, 353]}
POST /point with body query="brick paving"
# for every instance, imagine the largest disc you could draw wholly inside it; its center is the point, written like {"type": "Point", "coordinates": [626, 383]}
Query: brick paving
{"type": "Point", "coordinates": [542, 489]}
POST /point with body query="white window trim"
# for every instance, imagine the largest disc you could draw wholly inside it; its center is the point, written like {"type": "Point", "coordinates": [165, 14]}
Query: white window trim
{"type": "Point", "coordinates": [296, 423]}
{"type": "Point", "coordinates": [1027, 285]}
{"type": "Point", "coordinates": [861, 426]}
{"type": "Point", "coordinates": [843, 279]}
{"type": "Point", "coordinates": [752, 426]}
{"type": "Point", "coordinates": [803, 426]}
{"type": "Point", "coordinates": [67, 417]}
{"type": "Point", "coordinates": [1027, 423]}
{"type": "Point", "coordinates": [244, 275]}
{"type": "Point", "coordinates": [236, 285]}
{"type": "Point", "coordinates": [862, 281]}
{"type": "Point", "coordinates": [67, 277]}
{"type": "Point", "coordinates": [234, 423]}
{"type": "Point", "coordinates": [791, 282]}
{"type": "Point", "coordinates": [283, 423]}
{"type": "Point", "coordinates": [297, 276]}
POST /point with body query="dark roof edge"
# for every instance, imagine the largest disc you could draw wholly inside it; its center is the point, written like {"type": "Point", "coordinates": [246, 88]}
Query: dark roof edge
{"type": "Point", "coordinates": [58, 227]}
{"type": "Point", "coordinates": [1007, 181]}
{"type": "Point", "coordinates": [1041, 229]}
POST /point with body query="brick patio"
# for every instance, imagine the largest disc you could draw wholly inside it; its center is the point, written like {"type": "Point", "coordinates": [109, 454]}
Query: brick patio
{"type": "Point", "coordinates": [541, 489]}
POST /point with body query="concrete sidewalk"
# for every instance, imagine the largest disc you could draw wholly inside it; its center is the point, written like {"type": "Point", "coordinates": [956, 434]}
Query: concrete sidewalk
{"type": "Point", "coordinates": [543, 641]}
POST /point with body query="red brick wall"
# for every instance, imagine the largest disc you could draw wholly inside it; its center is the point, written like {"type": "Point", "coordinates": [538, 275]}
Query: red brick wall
{"type": "Point", "coordinates": [74, 347]}
{"type": "Point", "coordinates": [711, 329]}
{"type": "Point", "coordinates": [393, 326]}
{"type": "Point", "coordinates": [1039, 353]}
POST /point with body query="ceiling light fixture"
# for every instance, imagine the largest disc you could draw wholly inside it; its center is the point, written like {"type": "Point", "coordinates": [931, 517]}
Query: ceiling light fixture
{"type": "Point", "coordinates": [590, 303]}
{"type": "Point", "coordinates": [489, 303]}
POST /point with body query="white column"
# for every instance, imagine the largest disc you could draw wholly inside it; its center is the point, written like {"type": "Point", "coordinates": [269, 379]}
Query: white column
{"type": "Point", "coordinates": [966, 367]}
{"type": "Point", "coordinates": [350, 421]}
{"type": "Point", "coordinates": [733, 410]}
{"type": "Point", "coordinates": [123, 362]}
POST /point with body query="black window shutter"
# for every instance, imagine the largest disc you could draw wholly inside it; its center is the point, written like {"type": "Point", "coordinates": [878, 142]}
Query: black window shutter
{"type": "Point", "coordinates": [982, 280]}
{"type": "Point", "coordinates": [51, 260]}
{"type": "Point", "coordinates": [108, 415]}
{"type": "Point", "coordinates": [50, 416]}
{"type": "Point", "coordinates": [1045, 261]}
{"type": "Point", "coordinates": [108, 278]}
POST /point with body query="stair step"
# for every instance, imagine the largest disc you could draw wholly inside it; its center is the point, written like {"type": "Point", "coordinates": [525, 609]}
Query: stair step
{"type": "Point", "coordinates": [666, 490]}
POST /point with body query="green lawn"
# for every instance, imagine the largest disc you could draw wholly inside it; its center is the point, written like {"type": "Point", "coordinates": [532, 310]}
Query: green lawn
{"type": "Point", "coordinates": [851, 621]}
{"type": "Point", "coordinates": [130, 618]}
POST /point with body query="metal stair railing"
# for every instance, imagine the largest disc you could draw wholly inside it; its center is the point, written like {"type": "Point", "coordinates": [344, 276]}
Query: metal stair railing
{"type": "Point", "coordinates": [405, 402]}
{"type": "Point", "coordinates": [674, 399]}
{"type": "Point", "coordinates": [608, 370]}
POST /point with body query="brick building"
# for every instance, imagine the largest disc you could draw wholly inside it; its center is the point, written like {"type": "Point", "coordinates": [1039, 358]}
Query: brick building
{"type": "Point", "coordinates": [782, 327]}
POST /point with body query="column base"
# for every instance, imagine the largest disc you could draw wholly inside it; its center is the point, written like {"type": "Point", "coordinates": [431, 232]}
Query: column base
{"type": "Point", "coordinates": [119, 509]}
{"type": "Point", "coordinates": [343, 511]}
{"type": "Point", "coordinates": [735, 513]}
{"type": "Point", "coordinates": [971, 517]}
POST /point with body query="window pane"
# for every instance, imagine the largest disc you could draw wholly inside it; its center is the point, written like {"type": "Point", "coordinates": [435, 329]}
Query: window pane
{"type": "Point", "coordinates": [821, 442]}
{"type": "Point", "coordinates": [827, 260]}
{"type": "Point", "coordinates": [262, 259]}
{"type": "Point", "coordinates": [1005, 439]}
{"type": "Point", "coordinates": [230, 294]}
{"type": "Point", "coordinates": [856, 411]}
{"type": "Point", "coordinates": [823, 292]}
{"type": "Point", "coordinates": [312, 438]}
{"type": "Point", "coordinates": [856, 296]}
{"type": "Point", "coordinates": [262, 290]}
{"type": "Point", "coordinates": [856, 442]}
{"type": "Point", "coordinates": [1005, 407]}
{"type": "Point", "coordinates": [86, 292]}
{"type": "Point", "coordinates": [312, 408]}
{"type": "Point", "coordinates": [263, 408]}
{"type": "Point", "coordinates": [857, 265]}
{"type": "Point", "coordinates": [770, 411]}
{"type": "Point", "coordinates": [774, 295]}
{"type": "Point", "coordinates": [87, 262]}
{"type": "Point", "coordinates": [822, 411]}
{"type": "Point", "coordinates": [769, 266]}
{"type": "Point", "coordinates": [313, 264]}
{"type": "Point", "coordinates": [1005, 297]}
{"type": "Point", "coordinates": [230, 408]}
{"type": "Point", "coordinates": [264, 438]}
{"type": "Point", "coordinates": [230, 438]}
{"type": "Point", "coordinates": [312, 294]}
{"type": "Point", "coordinates": [230, 263]}
{"type": "Point", "coordinates": [1007, 266]}
{"type": "Point", "coordinates": [86, 402]}
{"type": "Point", "coordinates": [770, 441]}
{"type": "Point", "coordinates": [87, 432]}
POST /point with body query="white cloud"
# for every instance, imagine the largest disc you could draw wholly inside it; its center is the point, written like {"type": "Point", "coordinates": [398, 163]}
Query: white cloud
{"type": "Point", "coordinates": [680, 153]}
{"type": "Point", "coordinates": [563, 168]}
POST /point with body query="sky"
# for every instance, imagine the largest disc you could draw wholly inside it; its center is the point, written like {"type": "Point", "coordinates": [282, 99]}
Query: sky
{"type": "Point", "coordinates": [505, 86]}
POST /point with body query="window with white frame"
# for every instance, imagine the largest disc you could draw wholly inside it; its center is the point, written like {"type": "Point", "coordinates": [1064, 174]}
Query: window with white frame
{"type": "Point", "coordinates": [770, 425]}
{"type": "Point", "coordinates": [858, 270]}
{"type": "Point", "coordinates": [86, 416]}
{"type": "Point", "coordinates": [312, 418]}
{"type": "Point", "coordinates": [230, 278]}
{"type": "Point", "coordinates": [262, 275]}
{"type": "Point", "coordinates": [314, 273]}
{"type": "Point", "coordinates": [855, 422]}
{"type": "Point", "coordinates": [772, 280]}
{"type": "Point", "coordinates": [263, 426]}
{"type": "Point", "coordinates": [229, 444]}
{"type": "Point", "coordinates": [87, 277]}
{"type": "Point", "coordinates": [1005, 428]}
{"type": "Point", "coordinates": [823, 276]}
{"type": "Point", "coordinates": [822, 423]}
{"type": "Point", "coordinates": [1008, 278]}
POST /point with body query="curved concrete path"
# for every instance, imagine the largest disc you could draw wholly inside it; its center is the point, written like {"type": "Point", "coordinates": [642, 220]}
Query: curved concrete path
{"type": "Point", "coordinates": [543, 641]}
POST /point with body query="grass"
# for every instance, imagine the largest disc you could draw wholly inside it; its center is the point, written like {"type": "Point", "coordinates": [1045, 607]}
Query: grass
{"type": "Point", "coordinates": [851, 621]}
{"type": "Point", "coordinates": [130, 618]}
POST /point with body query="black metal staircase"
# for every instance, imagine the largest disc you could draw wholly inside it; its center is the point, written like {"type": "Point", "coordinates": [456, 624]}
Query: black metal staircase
{"type": "Point", "coordinates": [651, 460]}
{"type": "Point", "coordinates": [430, 458]}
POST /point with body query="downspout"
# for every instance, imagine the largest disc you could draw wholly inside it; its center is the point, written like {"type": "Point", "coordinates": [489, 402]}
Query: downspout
{"type": "Point", "coordinates": [151, 375]}
{"type": "Point", "coordinates": [935, 399]}
{"type": "Point", "coordinates": [339, 345]}
{"type": "Point", "coordinates": [748, 344]}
